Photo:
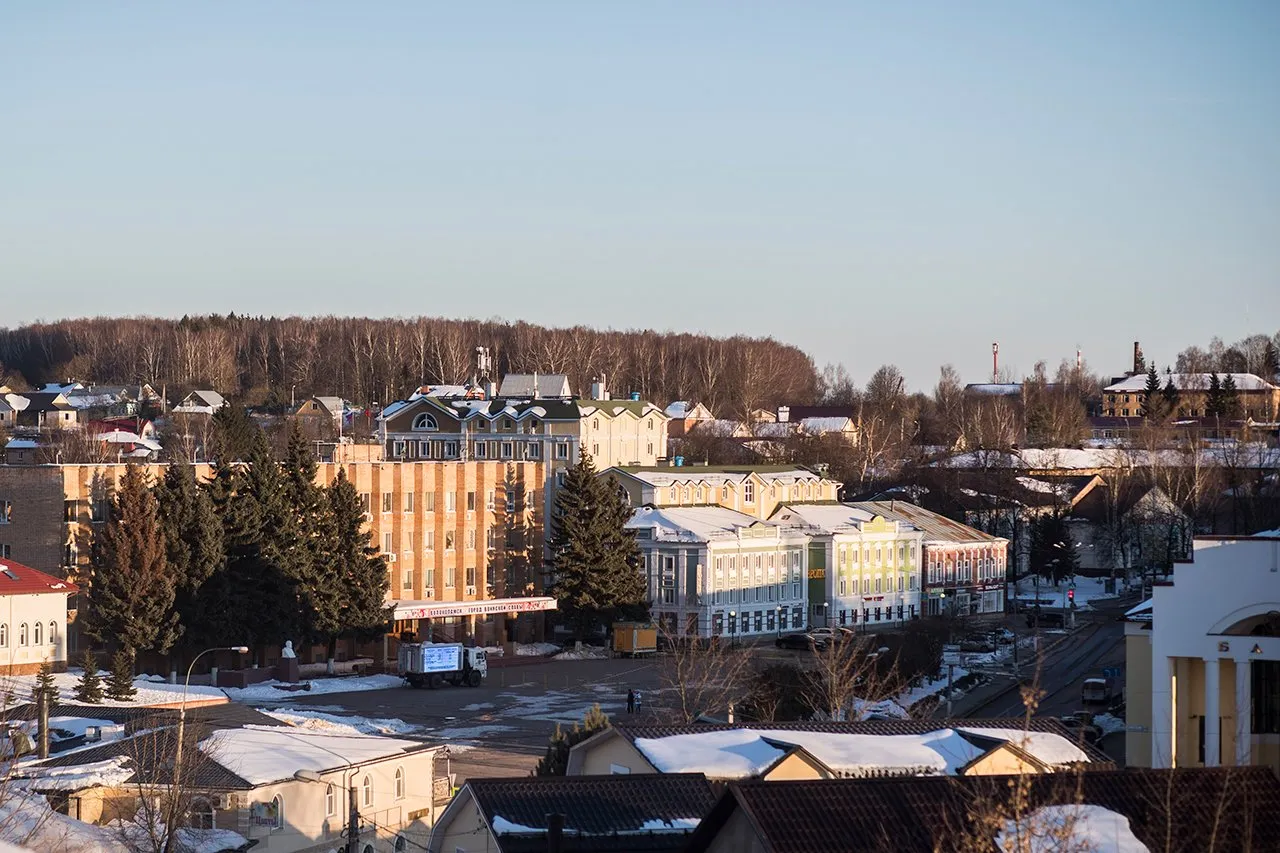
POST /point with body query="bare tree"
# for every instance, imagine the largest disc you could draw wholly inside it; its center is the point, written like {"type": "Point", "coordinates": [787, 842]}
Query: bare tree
{"type": "Point", "coordinates": [848, 678]}
{"type": "Point", "coordinates": [701, 676]}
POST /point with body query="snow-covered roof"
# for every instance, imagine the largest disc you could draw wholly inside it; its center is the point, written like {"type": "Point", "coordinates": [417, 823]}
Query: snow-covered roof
{"type": "Point", "coordinates": [1140, 612]}
{"type": "Point", "coordinates": [1275, 533]}
{"type": "Point", "coordinates": [744, 753]}
{"type": "Point", "coordinates": [821, 426]}
{"type": "Point", "coordinates": [120, 436]}
{"type": "Point", "coordinates": [829, 518]}
{"type": "Point", "coordinates": [110, 773]}
{"type": "Point", "coordinates": [535, 385]}
{"type": "Point", "coordinates": [691, 523]}
{"type": "Point", "coordinates": [263, 754]}
{"type": "Point", "coordinates": [1077, 826]}
{"type": "Point", "coordinates": [1254, 455]}
{"type": "Point", "coordinates": [1191, 382]}
{"type": "Point", "coordinates": [678, 409]}
{"type": "Point", "coordinates": [666, 476]}
{"type": "Point", "coordinates": [22, 444]}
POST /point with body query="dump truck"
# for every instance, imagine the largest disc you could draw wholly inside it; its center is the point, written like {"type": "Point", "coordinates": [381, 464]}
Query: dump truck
{"type": "Point", "coordinates": [434, 664]}
{"type": "Point", "coordinates": [631, 639]}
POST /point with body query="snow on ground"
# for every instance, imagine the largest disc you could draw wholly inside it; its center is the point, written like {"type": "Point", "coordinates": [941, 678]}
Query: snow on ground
{"type": "Point", "coordinates": [308, 719]}
{"type": "Point", "coordinates": [932, 687]}
{"type": "Point", "coordinates": [26, 820]}
{"type": "Point", "coordinates": [1084, 827]}
{"type": "Point", "coordinates": [477, 706]}
{"type": "Point", "coordinates": [587, 653]}
{"type": "Point", "coordinates": [149, 692]}
{"type": "Point", "coordinates": [1108, 723]}
{"type": "Point", "coordinates": [469, 732]}
{"type": "Point", "coordinates": [268, 691]}
{"type": "Point", "coordinates": [1049, 596]}
{"type": "Point", "coordinates": [536, 649]}
{"type": "Point", "coordinates": [555, 706]}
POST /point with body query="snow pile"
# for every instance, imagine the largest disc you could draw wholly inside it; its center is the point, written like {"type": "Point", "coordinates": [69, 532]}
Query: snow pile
{"type": "Point", "coordinates": [110, 773]}
{"type": "Point", "coordinates": [27, 821]}
{"type": "Point", "coordinates": [931, 687]}
{"type": "Point", "coordinates": [587, 653]}
{"type": "Point", "coordinates": [277, 691]}
{"type": "Point", "coordinates": [531, 650]}
{"type": "Point", "coordinates": [469, 732]}
{"type": "Point", "coordinates": [494, 651]}
{"type": "Point", "coordinates": [1075, 827]}
{"type": "Point", "coordinates": [150, 693]}
{"type": "Point", "coordinates": [502, 826]}
{"type": "Point", "coordinates": [264, 754]}
{"type": "Point", "coordinates": [680, 824]}
{"type": "Point", "coordinates": [209, 840]}
{"type": "Point", "coordinates": [353, 725]}
{"type": "Point", "coordinates": [1109, 724]}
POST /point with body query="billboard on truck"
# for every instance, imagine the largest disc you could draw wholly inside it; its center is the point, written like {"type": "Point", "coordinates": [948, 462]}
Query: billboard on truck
{"type": "Point", "coordinates": [441, 658]}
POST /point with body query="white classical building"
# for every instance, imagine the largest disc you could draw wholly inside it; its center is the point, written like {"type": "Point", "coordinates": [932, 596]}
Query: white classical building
{"type": "Point", "coordinates": [715, 571]}
{"type": "Point", "coordinates": [1203, 660]}
{"type": "Point", "coordinates": [33, 619]}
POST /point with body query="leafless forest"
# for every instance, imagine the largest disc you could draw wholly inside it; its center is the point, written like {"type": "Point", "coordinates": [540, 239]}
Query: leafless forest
{"type": "Point", "coordinates": [265, 359]}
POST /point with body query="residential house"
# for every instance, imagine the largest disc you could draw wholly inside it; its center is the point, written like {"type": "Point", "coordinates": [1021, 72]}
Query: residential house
{"type": "Point", "coordinates": [608, 814]}
{"type": "Point", "coordinates": [285, 788]}
{"type": "Point", "coordinates": [9, 404]}
{"type": "Point", "coordinates": [712, 571]}
{"type": "Point", "coordinates": [45, 410]}
{"type": "Point", "coordinates": [1127, 526]}
{"type": "Point", "coordinates": [863, 568]}
{"type": "Point", "coordinates": [33, 616]}
{"type": "Point", "coordinates": [334, 410]}
{"type": "Point", "coordinates": [1202, 660]}
{"type": "Point", "coordinates": [1106, 810]}
{"type": "Point", "coordinates": [535, 386]}
{"type": "Point", "coordinates": [826, 750]}
{"type": "Point", "coordinates": [24, 451]}
{"type": "Point", "coordinates": [1258, 398]}
{"type": "Point", "coordinates": [200, 402]}
{"type": "Point", "coordinates": [755, 490]}
{"type": "Point", "coordinates": [108, 401]}
{"type": "Point", "coordinates": [684, 415]}
{"type": "Point", "coordinates": [964, 569]}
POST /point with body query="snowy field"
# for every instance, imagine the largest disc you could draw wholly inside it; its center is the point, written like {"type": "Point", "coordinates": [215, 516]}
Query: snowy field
{"type": "Point", "coordinates": [1087, 590]}
{"type": "Point", "coordinates": [152, 690]}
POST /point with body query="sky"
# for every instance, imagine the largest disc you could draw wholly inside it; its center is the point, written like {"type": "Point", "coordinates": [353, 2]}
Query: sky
{"type": "Point", "coordinates": [873, 182]}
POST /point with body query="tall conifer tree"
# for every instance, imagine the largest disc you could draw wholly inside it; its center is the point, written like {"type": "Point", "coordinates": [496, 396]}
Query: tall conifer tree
{"type": "Point", "coordinates": [194, 544]}
{"type": "Point", "coordinates": [356, 581]}
{"type": "Point", "coordinates": [1169, 394]}
{"type": "Point", "coordinates": [1151, 399]}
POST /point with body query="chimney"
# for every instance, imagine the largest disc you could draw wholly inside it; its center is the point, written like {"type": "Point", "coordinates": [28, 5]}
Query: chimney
{"type": "Point", "coordinates": [1137, 357]}
{"type": "Point", "coordinates": [784, 414]}
{"type": "Point", "coordinates": [995, 362]}
{"type": "Point", "coordinates": [535, 385]}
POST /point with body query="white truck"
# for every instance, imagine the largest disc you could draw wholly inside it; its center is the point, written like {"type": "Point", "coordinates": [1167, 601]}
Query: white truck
{"type": "Point", "coordinates": [432, 664]}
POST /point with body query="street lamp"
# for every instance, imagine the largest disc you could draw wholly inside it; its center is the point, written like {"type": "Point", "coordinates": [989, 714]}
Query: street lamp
{"type": "Point", "coordinates": [733, 628]}
{"type": "Point", "coordinates": [182, 726]}
{"type": "Point", "coordinates": [778, 619]}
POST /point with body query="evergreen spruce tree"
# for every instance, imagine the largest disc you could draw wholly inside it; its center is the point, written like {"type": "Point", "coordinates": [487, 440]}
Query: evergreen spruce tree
{"type": "Point", "coordinates": [120, 678]}
{"type": "Point", "coordinates": [1271, 363]}
{"type": "Point", "coordinates": [353, 589]}
{"type": "Point", "coordinates": [594, 558]}
{"type": "Point", "coordinates": [131, 587]}
{"type": "Point", "coordinates": [1213, 403]}
{"type": "Point", "coordinates": [1053, 553]}
{"type": "Point", "coordinates": [1151, 399]}
{"type": "Point", "coordinates": [1230, 397]}
{"type": "Point", "coordinates": [45, 683]}
{"type": "Point", "coordinates": [193, 545]}
{"type": "Point", "coordinates": [234, 434]}
{"type": "Point", "coordinates": [1169, 394]}
{"type": "Point", "coordinates": [309, 513]}
{"type": "Point", "coordinates": [556, 760]}
{"type": "Point", "coordinates": [89, 687]}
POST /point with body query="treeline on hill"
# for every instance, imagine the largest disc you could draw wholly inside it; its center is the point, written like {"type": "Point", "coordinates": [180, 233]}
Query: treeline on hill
{"type": "Point", "coordinates": [257, 555]}
{"type": "Point", "coordinates": [263, 359]}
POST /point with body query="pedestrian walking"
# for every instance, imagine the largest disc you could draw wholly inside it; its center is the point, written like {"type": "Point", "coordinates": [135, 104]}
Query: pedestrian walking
{"type": "Point", "coordinates": [638, 700]}
{"type": "Point", "coordinates": [631, 701]}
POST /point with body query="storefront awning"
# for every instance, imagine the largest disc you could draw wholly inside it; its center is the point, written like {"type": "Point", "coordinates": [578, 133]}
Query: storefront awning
{"type": "Point", "coordinates": [440, 609]}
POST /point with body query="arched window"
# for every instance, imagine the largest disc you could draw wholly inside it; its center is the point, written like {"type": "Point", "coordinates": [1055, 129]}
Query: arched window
{"type": "Point", "coordinates": [39, 634]}
{"type": "Point", "coordinates": [425, 423]}
{"type": "Point", "coordinates": [366, 791]}
{"type": "Point", "coordinates": [368, 848]}
{"type": "Point", "coordinates": [277, 803]}
{"type": "Point", "coordinates": [402, 844]}
{"type": "Point", "coordinates": [22, 634]}
{"type": "Point", "coordinates": [4, 635]}
{"type": "Point", "coordinates": [330, 801]}
{"type": "Point", "coordinates": [201, 814]}
{"type": "Point", "coordinates": [53, 633]}
{"type": "Point", "coordinates": [399, 783]}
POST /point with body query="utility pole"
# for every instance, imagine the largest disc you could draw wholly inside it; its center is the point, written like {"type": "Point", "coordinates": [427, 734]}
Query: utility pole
{"type": "Point", "coordinates": [951, 669]}
{"type": "Point", "coordinates": [353, 822]}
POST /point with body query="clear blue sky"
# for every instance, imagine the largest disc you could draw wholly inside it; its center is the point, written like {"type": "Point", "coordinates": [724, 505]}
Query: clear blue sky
{"type": "Point", "coordinates": [875, 182]}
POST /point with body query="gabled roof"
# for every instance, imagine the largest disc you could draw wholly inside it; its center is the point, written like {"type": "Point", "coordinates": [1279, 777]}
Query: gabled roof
{"type": "Point", "coordinates": [17, 579]}
{"type": "Point", "coordinates": [1190, 382]}
{"type": "Point", "coordinates": [624, 812]}
{"type": "Point", "coordinates": [488, 410]}
{"type": "Point", "coordinates": [682, 409]}
{"type": "Point", "coordinates": [41, 401]}
{"type": "Point", "coordinates": [827, 517]}
{"type": "Point", "coordinates": [201, 397]}
{"type": "Point", "coordinates": [1183, 807]}
{"type": "Point", "coordinates": [540, 386]}
{"type": "Point", "coordinates": [692, 523]}
{"type": "Point", "coordinates": [937, 528]}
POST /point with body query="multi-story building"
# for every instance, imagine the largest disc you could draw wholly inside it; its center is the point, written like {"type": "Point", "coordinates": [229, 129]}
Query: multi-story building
{"type": "Point", "coordinates": [33, 619]}
{"type": "Point", "coordinates": [963, 568]}
{"type": "Point", "coordinates": [713, 571]}
{"type": "Point", "coordinates": [863, 568]}
{"type": "Point", "coordinates": [754, 490]}
{"type": "Point", "coordinates": [1258, 398]}
{"type": "Point", "coordinates": [1202, 660]}
{"type": "Point", "coordinates": [463, 540]}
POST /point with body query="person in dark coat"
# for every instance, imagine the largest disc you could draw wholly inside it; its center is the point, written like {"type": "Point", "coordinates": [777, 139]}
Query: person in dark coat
{"type": "Point", "coordinates": [631, 701]}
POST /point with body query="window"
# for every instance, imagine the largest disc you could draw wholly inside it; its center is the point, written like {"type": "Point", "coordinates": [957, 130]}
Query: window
{"type": "Point", "coordinates": [491, 500]}
{"type": "Point", "coordinates": [201, 814]}
{"type": "Point", "coordinates": [4, 551]}
{"type": "Point", "coordinates": [388, 546]}
{"type": "Point", "coordinates": [429, 581]}
{"type": "Point", "coordinates": [450, 501]}
{"type": "Point", "coordinates": [491, 538]}
{"type": "Point", "coordinates": [69, 554]}
{"type": "Point", "coordinates": [595, 450]}
{"type": "Point", "coordinates": [534, 451]}
{"type": "Point", "coordinates": [408, 501]}
{"type": "Point", "coordinates": [387, 500]}
{"type": "Point", "coordinates": [4, 635]}
{"type": "Point", "coordinates": [424, 449]}
{"type": "Point", "coordinates": [6, 512]}
{"type": "Point", "coordinates": [330, 801]}
{"type": "Point", "coordinates": [449, 539]}
{"type": "Point", "coordinates": [99, 510]}
{"type": "Point", "coordinates": [471, 501]}
{"type": "Point", "coordinates": [482, 452]}
{"type": "Point", "coordinates": [38, 634]}
{"type": "Point", "coordinates": [724, 493]}
{"type": "Point", "coordinates": [425, 423]}
{"type": "Point", "coordinates": [562, 450]}
{"type": "Point", "coordinates": [22, 634]}
{"type": "Point", "coordinates": [69, 510]}
{"type": "Point", "coordinates": [364, 502]}
{"type": "Point", "coordinates": [278, 806]}
{"type": "Point", "coordinates": [451, 450]}
{"type": "Point", "coordinates": [429, 540]}
{"type": "Point", "coordinates": [619, 770]}
{"type": "Point", "coordinates": [408, 579]}
{"type": "Point", "coordinates": [749, 492]}
{"type": "Point", "coordinates": [366, 791]}
{"type": "Point", "coordinates": [397, 449]}
{"type": "Point", "coordinates": [471, 540]}
{"type": "Point", "coordinates": [428, 501]}
{"type": "Point", "coordinates": [399, 783]}
{"type": "Point", "coordinates": [507, 449]}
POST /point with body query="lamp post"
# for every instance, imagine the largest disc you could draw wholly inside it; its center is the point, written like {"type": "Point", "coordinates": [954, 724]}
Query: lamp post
{"type": "Point", "coordinates": [777, 619]}
{"type": "Point", "coordinates": [733, 628]}
{"type": "Point", "coordinates": [182, 729]}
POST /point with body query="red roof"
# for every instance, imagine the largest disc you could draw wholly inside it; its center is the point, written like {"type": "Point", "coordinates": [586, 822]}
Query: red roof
{"type": "Point", "coordinates": [17, 579]}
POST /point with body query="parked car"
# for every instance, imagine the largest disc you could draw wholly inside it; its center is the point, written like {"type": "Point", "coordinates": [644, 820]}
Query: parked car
{"type": "Point", "coordinates": [1081, 724]}
{"type": "Point", "coordinates": [830, 634]}
{"type": "Point", "coordinates": [803, 640]}
{"type": "Point", "coordinates": [1046, 619]}
{"type": "Point", "coordinates": [1096, 691]}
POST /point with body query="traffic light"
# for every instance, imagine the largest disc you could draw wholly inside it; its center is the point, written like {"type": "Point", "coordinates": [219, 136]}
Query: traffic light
{"type": "Point", "coordinates": [1071, 596]}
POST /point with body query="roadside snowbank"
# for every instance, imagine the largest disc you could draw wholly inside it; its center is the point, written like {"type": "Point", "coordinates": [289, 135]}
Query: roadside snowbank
{"type": "Point", "coordinates": [276, 691]}
{"type": "Point", "coordinates": [340, 724]}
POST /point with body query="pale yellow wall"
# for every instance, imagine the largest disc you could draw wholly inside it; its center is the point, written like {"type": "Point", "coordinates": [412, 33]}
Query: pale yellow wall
{"type": "Point", "coordinates": [1137, 697]}
{"type": "Point", "coordinates": [467, 831]}
{"type": "Point", "coordinates": [795, 767]}
{"type": "Point", "coordinates": [736, 836]}
{"type": "Point", "coordinates": [613, 750]}
{"type": "Point", "coordinates": [1001, 762]}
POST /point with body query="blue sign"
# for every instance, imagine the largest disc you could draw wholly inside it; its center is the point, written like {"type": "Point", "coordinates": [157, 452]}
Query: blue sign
{"type": "Point", "coordinates": [1111, 672]}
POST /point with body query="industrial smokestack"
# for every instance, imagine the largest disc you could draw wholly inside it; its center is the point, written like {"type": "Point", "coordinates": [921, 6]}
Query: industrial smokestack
{"type": "Point", "coordinates": [1137, 357]}
{"type": "Point", "coordinates": [995, 362]}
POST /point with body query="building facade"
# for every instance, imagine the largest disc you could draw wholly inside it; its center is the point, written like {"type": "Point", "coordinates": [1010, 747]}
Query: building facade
{"type": "Point", "coordinates": [1203, 660]}
{"type": "Point", "coordinates": [713, 571]}
{"type": "Point", "coordinates": [33, 619]}
{"type": "Point", "coordinates": [754, 490]}
{"type": "Point", "coordinates": [1258, 398]}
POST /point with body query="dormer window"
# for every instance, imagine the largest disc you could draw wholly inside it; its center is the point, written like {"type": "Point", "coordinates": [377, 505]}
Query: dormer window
{"type": "Point", "coordinates": [425, 423]}
{"type": "Point", "coordinates": [507, 423]}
